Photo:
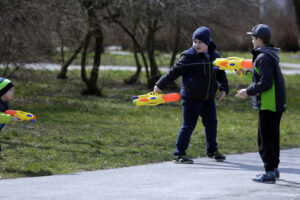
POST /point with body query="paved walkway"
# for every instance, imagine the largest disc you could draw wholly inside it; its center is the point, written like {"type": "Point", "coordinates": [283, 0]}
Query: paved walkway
{"type": "Point", "coordinates": [205, 179]}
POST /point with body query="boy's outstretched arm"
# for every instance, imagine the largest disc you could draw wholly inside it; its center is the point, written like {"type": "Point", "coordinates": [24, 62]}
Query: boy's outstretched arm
{"type": "Point", "coordinates": [177, 70]}
{"type": "Point", "coordinates": [5, 119]}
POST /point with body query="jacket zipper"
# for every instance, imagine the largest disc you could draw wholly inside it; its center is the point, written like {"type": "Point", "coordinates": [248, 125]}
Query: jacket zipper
{"type": "Point", "coordinates": [209, 70]}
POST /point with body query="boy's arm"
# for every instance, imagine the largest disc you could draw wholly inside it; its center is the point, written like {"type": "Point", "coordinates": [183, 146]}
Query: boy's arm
{"type": "Point", "coordinates": [265, 83]}
{"type": "Point", "coordinates": [177, 70]}
{"type": "Point", "coordinates": [222, 79]}
{"type": "Point", "coordinates": [4, 118]}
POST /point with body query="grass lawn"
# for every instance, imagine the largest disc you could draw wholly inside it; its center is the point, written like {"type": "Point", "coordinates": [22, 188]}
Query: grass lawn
{"type": "Point", "coordinates": [75, 133]}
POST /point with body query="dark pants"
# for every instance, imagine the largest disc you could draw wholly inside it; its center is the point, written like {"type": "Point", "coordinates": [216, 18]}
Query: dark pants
{"type": "Point", "coordinates": [191, 110]}
{"type": "Point", "coordinates": [268, 138]}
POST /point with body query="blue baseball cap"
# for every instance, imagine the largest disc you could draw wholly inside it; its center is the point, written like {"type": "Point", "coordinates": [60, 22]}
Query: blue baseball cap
{"type": "Point", "coordinates": [262, 31]}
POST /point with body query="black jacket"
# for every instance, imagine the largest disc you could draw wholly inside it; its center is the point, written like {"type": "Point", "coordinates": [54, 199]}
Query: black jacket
{"type": "Point", "coordinates": [268, 87]}
{"type": "Point", "coordinates": [199, 79]}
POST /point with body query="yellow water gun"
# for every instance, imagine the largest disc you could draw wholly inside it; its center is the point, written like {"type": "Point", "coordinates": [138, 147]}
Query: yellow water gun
{"type": "Point", "coordinates": [21, 115]}
{"type": "Point", "coordinates": [232, 64]}
{"type": "Point", "coordinates": [153, 99]}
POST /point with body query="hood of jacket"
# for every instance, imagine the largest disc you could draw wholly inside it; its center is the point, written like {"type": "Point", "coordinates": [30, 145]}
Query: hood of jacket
{"type": "Point", "coordinates": [271, 51]}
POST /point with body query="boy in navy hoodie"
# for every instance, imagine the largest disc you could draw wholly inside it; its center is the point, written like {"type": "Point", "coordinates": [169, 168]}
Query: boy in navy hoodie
{"type": "Point", "coordinates": [199, 84]}
{"type": "Point", "coordinates": [269, 97]}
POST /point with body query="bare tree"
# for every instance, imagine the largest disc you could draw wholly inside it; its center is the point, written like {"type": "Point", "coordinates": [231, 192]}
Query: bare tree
{"type": "Point", "coordinates": [141, 20]}
{"type": "Point", "coordinates": [24, 32]}
{"type": "Point", "coordinates": [94, 30]}
{"type": "Point", "coordinates": [70, 26]}
{"type": "Point", "coordinates": [128, 16]}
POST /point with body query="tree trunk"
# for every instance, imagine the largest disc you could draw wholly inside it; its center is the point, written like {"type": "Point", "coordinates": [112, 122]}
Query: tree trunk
{"type": "Point", "coordinates": [91, 83]}
{"type": "Point", "coordinates": [134, 79]}
{"type": "Point", "coordinates": [83, 58]}
{"type": "Point", "coordinates": [94, 30]}
{"type": "Point", "coordinates": [62, 55]}
{"type": "Point", "coordinates": [297, 12]}
{"type": "Point", "coordinates": [173, 84]}
{"type": "Point", "coordinates": [92, 87]}
{"type": "Point", "coordinates": [63, 71]}
{"type": "Point", "coordinates": [155, 73]}
{"type": "Point", "coordinates": [176, 41]}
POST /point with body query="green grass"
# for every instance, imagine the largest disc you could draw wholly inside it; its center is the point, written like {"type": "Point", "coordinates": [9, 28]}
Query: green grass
{"type": "Point", "coordinates": [76, 133]}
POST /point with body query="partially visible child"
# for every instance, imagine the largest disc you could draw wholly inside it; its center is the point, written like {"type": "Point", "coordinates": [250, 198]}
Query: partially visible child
{"type": "Point", "coordinates": [6, 95]}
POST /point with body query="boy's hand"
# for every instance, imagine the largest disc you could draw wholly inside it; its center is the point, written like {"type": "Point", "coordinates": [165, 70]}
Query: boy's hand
{"type": "Point", "coordinates": [15, 119]}
{"type": "Point", "coordinates": [241, 72]}
{"type": "Point", "coordinates": [156, 90]}
{"type": "Point", "coordinates": [222, 95]}
{"type": "Point", "coordinates": [242, 94]}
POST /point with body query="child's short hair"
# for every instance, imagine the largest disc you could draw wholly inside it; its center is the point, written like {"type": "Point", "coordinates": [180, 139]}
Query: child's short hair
{"type": "Point", "coordinates": [5, 85]}
{"type": "Point", "coordinates": [266, 42]}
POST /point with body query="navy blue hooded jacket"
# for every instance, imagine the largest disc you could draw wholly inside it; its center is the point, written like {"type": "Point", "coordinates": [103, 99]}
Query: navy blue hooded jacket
{"type": "Point", "coordinates": [199, 79]}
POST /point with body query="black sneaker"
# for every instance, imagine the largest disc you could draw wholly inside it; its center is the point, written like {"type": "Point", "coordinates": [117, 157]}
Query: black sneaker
{"type": "Point", "coordinates": [182, 160]}
{"type": "Point", "coordinates": [217, 156]}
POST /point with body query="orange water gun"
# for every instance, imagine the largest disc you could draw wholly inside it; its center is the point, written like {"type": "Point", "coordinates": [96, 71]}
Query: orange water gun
{"type": "Point", "coordinates": [153, 99]}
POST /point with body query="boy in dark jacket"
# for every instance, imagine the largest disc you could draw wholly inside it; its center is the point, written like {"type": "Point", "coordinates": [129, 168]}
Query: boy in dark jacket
{"type": "Point", "coordinates": [199, 85]}
{"type": "Point", "coordinates": [269, 97]}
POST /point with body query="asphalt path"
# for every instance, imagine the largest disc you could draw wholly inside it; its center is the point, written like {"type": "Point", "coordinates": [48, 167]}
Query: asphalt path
{"type": "Point", "coordinates": [205, 179]}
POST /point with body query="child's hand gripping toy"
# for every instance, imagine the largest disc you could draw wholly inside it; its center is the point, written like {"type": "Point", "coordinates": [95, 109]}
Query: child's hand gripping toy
{"type": "Point", "coordinates": [232, 64]}
{"type": "Point", "coordinates": [153, 99]}
{"type": "Point", "coordinates": [21, 115]}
